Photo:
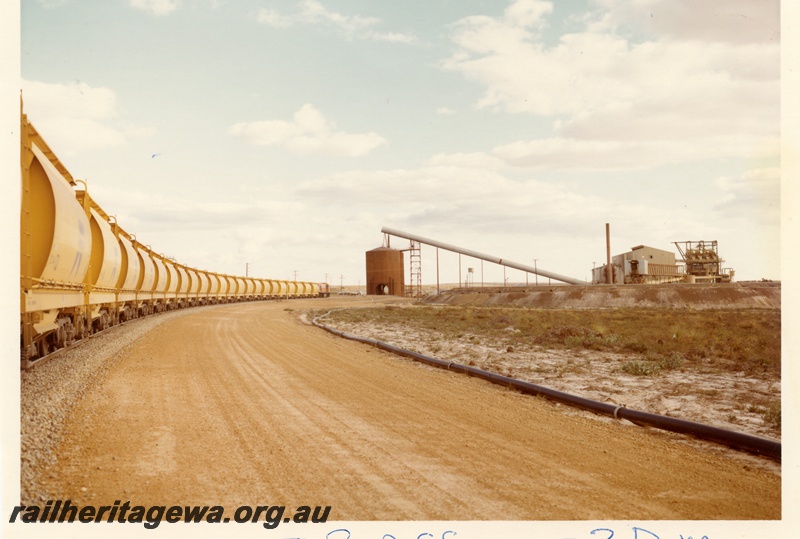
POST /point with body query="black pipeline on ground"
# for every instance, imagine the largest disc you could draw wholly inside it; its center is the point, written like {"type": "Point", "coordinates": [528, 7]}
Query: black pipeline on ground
{"type": "Point", "coordinates": [737, 440]}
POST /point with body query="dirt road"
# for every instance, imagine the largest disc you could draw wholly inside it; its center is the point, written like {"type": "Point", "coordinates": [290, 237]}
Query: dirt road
{"type": "Point", "coordinates": [246, 404]}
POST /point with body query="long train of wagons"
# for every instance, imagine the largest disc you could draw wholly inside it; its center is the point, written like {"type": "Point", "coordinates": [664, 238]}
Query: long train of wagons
{"type": "Point", "coordinates": [82, 273]}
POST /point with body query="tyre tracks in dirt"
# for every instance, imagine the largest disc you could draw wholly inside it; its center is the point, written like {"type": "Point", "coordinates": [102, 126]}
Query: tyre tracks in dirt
{"type": "Point", "coordinates": [245, 404]}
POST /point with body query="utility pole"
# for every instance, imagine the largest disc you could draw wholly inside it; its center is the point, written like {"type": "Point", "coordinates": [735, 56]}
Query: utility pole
{"type": "Point", "coordinates": [295, 275]}
{"type": "Point", "coordinates": [535, 270]}
{"type": "Point", "coordinates": [341, 286]}
{"type": "Point", "coordinates": [437, 271]}
{"type": "Point", "coordinates": [247, 269]}
{"type": "Point", "coordinates": [609, 270]}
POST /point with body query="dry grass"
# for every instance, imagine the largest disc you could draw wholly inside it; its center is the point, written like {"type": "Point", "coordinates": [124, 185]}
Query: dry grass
{"type": "Point", "coordinates": [716, 341]}
{"type": "Point", "coordinates": [721, 367]}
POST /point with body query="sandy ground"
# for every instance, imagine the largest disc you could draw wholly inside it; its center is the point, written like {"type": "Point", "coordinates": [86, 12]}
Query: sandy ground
{"type": "Point", "coordinates": [729, 400]}
{"type": "Point", "coordinates": [247, 404]}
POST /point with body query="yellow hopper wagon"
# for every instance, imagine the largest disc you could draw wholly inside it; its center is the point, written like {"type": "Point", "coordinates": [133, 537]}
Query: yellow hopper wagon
{"type": "Point", "coordinates": [81, 272]}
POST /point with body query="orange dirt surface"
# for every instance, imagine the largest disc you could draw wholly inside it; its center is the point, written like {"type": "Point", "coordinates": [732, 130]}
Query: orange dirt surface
{"type": "Point", "coordinates": [248, 404]}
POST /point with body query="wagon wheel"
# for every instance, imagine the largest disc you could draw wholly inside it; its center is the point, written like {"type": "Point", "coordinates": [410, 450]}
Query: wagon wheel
{"type": "Point", "coordinates": [26, 355]}
{"type": "Point", "coordinates": [60, 337]}
{"type": "Point", "coordinates": [44, 347]}
{"type": "Point", "coordinates": [80, 330]}
{"type": "Point", "coordinates": [69, 329]}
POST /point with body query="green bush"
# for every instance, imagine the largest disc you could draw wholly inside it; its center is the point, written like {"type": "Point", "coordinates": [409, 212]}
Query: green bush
{"type": "Point", "coordinates": [638, 367]}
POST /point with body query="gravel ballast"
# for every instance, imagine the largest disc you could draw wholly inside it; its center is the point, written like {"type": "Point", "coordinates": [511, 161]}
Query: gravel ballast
{"type": "Point", "coordinates": [50, 390]}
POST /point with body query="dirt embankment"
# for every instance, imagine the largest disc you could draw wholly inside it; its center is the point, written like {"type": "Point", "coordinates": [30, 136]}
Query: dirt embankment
{"type": "Point", "coordinates": [744, 295]}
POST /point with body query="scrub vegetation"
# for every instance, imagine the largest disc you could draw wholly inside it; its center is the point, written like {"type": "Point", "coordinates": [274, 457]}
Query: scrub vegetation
{"type": "Point", "coordinates": [657, 340]}
{"type": "Point", "coordinates": [725, 360]}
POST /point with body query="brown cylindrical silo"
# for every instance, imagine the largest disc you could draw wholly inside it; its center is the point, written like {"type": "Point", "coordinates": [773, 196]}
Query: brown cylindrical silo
{"type": "Point", "coordinates": [385, 272]}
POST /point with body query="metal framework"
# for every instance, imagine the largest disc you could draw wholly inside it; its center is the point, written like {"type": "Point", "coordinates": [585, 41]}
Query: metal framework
{"type": "Point", "coordinates": [481, 256]}
{"type": "Point", "coordinates": [415, 266]}
{"type": "Point", "coordinates": [702, 261]}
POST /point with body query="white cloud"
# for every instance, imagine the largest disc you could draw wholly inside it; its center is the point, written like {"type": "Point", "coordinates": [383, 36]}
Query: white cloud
{"type": "Point", "coordinates": [469, 160]}
{"type": "Point", "coordinates": [308, 133]}
{"type": "Point", "coordinates": [77, 117]}
{"type": "Point", "coordinates": [594, 154]}
{"type": "Point", "coordinates": [528, 12]}
{"type": "Point", "coordinates": [573, 154]}
{"type": "Point", "coordinates": [755, 195]}
{"type": "Point", "coordinates": [156, 7]}
{"type": "Point", "coordinates": [141, 211]}
{"type": "Point", "coordinates": [470, 193]}
{"type": "Point", "coordinates": [391, 37]}
{"type": "Point", "coordinates": [272, 18]}
{"type": "Point", "coordinates": [733, 21]}
{"type": "Point", "coordinates": [610, 95]}
{"type": "Point", "coordinates": [312, 12]}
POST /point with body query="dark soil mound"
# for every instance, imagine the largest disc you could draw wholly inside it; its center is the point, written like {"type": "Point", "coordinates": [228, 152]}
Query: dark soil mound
{"type": "Point", "coordinates": [744, 295]}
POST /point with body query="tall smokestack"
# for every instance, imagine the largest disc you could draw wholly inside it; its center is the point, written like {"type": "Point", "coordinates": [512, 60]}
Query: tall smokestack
{"type": "Point", "coordinates": [608, 254]}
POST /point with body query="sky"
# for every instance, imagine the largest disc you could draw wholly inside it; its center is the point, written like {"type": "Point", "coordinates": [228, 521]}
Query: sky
{"type": "Point", "coordinates": [278, 137]}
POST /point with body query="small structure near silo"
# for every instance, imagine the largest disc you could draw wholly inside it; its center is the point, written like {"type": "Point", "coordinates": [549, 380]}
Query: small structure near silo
{"type": "Point", "coordinates": [648, 265]}
{"type": "Point", "coordinates": [385, 275]}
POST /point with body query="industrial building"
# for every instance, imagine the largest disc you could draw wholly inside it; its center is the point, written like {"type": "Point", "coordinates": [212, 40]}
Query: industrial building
{"type": "Point", "coordinates": [700, 262]}
{"type": "Point", "coordinates": [640, 264]}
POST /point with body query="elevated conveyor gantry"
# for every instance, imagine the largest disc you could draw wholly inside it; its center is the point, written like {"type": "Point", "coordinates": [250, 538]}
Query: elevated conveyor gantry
{"type": "Point", "coordinates": [482, 256]}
